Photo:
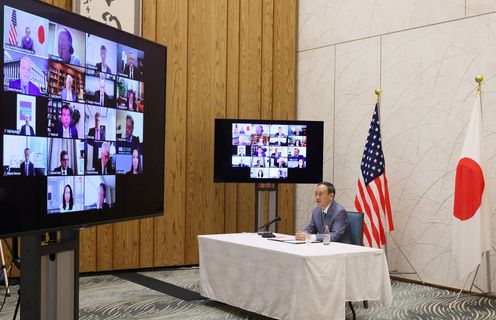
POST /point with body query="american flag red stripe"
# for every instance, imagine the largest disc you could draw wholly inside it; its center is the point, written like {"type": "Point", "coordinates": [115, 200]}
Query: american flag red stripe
{"type": "Point", "coordinates": [372, 196]}
{"type": "Point", "coordinates": [13, 29]}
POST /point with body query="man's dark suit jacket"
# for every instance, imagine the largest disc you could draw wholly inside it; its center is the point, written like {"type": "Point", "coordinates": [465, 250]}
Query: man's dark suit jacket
{"type": "Point", "coordinates": [72, 130]}
{"type": "Point", "coordinates": [22, 168]}
{"type": "Point", "coordinates": [23, 130]}
{"type": "Point", "coordinates": [69, 170]}
{"type": "Point", "coordinates": [32, 88]}
{"type": "Point", "coordinates": [134, 139]}
{"type": "Point", "coordinates": [110, 168]}
{"type": "Point", "coordinates": [337, 220]}
{"type": "Point", "coordinates": [91, 133]}
{"type": "Point", "coordinates": [99, 68]}
{"type": "Point", "coordinates": [136, 73]}
{"type": "Point", "coordinates": [106, 99]}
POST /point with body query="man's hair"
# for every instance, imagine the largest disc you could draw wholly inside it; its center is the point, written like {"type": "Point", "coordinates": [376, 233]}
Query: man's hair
{"type": "Point", "coordinates": [62, 154]}
{"type": "Point", "coordinates": [128, 117]}
{"type": "Point", "coordinates": [26, 149]}
{"type": "Point", "coordinates": [103, 48]}
{"type": "Point", "coordinates": [330, 187]}
{"type": "Point", "coordinates": [66, 106]}
{"type": "Point", "coordinates": [97, 114]}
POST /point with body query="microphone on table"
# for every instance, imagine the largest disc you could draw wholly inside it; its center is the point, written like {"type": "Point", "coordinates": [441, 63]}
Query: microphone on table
{"type": "Point", "coordinates": [266, 233]}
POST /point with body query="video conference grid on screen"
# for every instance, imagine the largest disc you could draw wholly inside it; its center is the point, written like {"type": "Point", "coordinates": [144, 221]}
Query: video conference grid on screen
{"type": "Point", "coordinates": [77, 108]}
{"type": "Point", "coordinates": [269, 149]}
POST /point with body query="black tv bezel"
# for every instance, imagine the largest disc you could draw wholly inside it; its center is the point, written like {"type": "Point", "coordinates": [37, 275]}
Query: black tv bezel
{"type": "Point", "coordinates": [225, 173]}
{"type": "Point", "coordinates": [44, 222]}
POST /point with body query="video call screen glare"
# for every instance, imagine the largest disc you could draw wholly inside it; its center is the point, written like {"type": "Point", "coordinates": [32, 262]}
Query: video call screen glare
{"type": "Point", "coordinates": [92, 93]}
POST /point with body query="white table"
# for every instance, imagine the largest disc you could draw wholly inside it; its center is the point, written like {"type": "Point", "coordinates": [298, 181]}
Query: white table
{"type": "Point", "coordinates": [290, 281]}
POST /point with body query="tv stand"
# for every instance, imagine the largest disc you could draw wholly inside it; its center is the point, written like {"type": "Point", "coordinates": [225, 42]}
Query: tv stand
{"type": "Point", "coordinates": [266, 205]}
{"type": "Point", "coordinates": [50, 277]}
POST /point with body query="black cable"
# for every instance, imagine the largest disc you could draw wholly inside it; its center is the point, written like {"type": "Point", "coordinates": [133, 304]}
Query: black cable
{"type": "Point", "coordinates": [17, 304]}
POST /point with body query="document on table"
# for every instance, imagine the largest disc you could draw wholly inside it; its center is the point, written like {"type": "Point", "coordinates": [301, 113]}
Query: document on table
{"type": "Point", "coordinates": [288, 239]}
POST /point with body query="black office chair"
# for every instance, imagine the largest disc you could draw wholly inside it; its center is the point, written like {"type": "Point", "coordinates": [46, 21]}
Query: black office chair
{"type": "Point", "coordinates": [356, 226]}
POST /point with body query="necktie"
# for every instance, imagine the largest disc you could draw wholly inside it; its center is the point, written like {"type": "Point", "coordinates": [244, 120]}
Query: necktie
{"type": "Point", "coordinates": [24, 89]}
{"type": "Point", "coordinates": [131, 76]}
{"type": "Point", "coordinates": [97, 135]}
{"type": "Point", "coordinates": [27, 169]}
{"type": "Point", "coordinates": [101, 99]}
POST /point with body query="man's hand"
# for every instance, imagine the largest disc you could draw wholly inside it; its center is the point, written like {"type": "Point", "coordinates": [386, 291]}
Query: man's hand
{"type": "Point", "coordinates": [300, 235]}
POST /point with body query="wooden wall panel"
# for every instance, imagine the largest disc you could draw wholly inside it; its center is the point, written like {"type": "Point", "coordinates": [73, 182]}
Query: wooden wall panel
{"type": "Point", "coordinates": [126, 245]}
{"type": "Point", "coordinates": [284, 92]}
{"type": "Point", "coordinates": [64, 4]}
{"type": "Point", "coordinates": [250, 73]}
{"type": "Point", "coordinates": [232, 103]}
{"type": "Point", "coordinates": [206, 101]}
{"type": "Point", "coordinates": [104, 247]}
{"type": "Point", "coordinates": [172, 30]}
{"type": "Point", "coordinates": [87, 250]}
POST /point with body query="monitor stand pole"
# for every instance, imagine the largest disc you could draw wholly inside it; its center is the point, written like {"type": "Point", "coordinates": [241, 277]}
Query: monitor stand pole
{"type": "Point", "coordinates": [4, 269]}
{"type": "Point", "coordinates": [265, 205]}
{"type": "Point", "coordinates": [50, 277]}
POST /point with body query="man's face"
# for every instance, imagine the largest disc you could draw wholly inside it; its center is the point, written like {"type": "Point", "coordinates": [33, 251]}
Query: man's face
{"type": "Point", "coordinates": [26, 155]}
{"type": "Point", "coordinates": [68, 83]}
{"type": "Point", "coordinates": [26, 118]}
{"type": "Point", "coordinates": [66, 117]}
{"type": "Point", "coordinates": [64, 46]}
{"type": "Point", "coordinates": [25, 71]}
{"type": "Point", "coordinates": [131, 61]}
{"type": "Point", "coordinates": [322, 197]}
{"type": "Point", "coordinates": [103, 55]}
{"type": "Point", "coordinates": [64, 161]}
{"type": "Point", "coordinates": [296, 152]}
{"type": "Point", "coordinates": [27, 32]}
{"type": "Point", "coordinates": [129, 128]}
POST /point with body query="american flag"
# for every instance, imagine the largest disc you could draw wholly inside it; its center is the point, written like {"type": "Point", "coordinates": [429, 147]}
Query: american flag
{"type": "Point", "coordinates": [13, 29]}
{"type": "Point", "coordinates": [372, 197]}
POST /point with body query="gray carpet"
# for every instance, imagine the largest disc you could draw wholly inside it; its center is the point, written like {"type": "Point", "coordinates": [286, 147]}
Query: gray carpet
{"type": "Point", "coordinates": [113, 297]}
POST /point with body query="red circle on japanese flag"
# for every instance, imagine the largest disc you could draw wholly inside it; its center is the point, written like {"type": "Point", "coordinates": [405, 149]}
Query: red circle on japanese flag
{"type": "Point", "coordinates": [469, 187]}
{"type": "Point", "coordinates": [41, 34]}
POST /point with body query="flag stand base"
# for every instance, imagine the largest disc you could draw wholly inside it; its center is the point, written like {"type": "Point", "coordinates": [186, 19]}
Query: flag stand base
{"type": "Point", "coordinates": [407, 260]}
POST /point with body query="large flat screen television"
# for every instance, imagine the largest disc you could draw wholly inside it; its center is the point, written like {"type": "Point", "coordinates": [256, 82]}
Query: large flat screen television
{"type": "Point", "coordinates": [268, 151]}
{"type": "Point", "coordinates": [79, 143]}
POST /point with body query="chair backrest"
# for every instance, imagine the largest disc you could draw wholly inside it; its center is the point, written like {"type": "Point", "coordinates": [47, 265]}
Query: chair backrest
{"type": "Point", "coordinates": [356, 225]}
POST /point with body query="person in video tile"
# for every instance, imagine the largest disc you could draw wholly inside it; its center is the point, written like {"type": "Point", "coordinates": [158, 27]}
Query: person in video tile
{"type": "Point", "coordinates": [63, 168]}
{"type": "Point", "coordinates": [102, 66]}
{"type": "Point", "coordinates": [103, 164]}
{"type": "Point", "coordinates": [27, 167]}
{"type": "Point", "coordinates": [131, 101]}
{"type": "Point", "coordinates": [68, 93]}
{"type": "Point", "coordinates": [96, 131]}
{"type": "Point", "coordinates": [27, 41]}
{"type": "Point", "coordinates": [102, 195]}
{"type": "Point", "coordinates": [65, 48]}
{"type": "Point", "coordinates": [65, 128]}
{"type": "Point", "coordinates": [24, 83]}
{"type": "Point", "coordinates": [68, 199]}
{"type": "Point", "coordinates": [26, 129]}
{"type": "Point", "coordinates": [100, 95]}
{"type": "Point", "coordinates": [130, 70]}
{"type": "Point", "coordinates": [135, 163]}
{"type": "Point", "coordinates": [129, 130]}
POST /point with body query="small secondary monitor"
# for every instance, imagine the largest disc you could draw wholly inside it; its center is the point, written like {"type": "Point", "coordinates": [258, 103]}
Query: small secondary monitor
{"type": "Point", "coordinates": [264, 151]}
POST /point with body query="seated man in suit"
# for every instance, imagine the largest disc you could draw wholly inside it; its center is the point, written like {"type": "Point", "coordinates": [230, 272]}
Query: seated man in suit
{"type": "Point", "coordinates": [102, 66]}
{"type": "Point", "coordinates": [64, 166]}
{"type": "Point", "coordinates": [26, 129]}
{"type": "Point", "coordinates": [27, 41]}
{"type": "Point", "coordinates": [65, 129]}
{"type": "Point", "coordinates": [24, 84]}
{"type": "Point", "coordinates": [101, 96]}
{"type": "Point", "coordinates": [129, 131]}
{"type": "Point", "coordinates": [26, 167]}
{"type": "Point", "coordinates": [104, 164]}
{"type": "Point", "coordinates": [96, 131]}
{"type": "Point", "coordinates": [68, 93]}
{"type": "Point", "coordinates": [102, 195]}
{"type": "Point", "coordinates": [328, 212]}
{"type": "Point", "coordinates": [130, 69]}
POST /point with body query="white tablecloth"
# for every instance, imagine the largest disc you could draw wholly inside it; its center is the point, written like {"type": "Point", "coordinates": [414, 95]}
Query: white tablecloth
{"type": "Point", "coordinates": [290, 281]}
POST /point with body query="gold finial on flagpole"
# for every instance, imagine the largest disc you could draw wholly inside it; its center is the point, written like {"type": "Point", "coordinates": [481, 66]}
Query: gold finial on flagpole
{"type": "Point", "coordinates": [479, 78]}
{"type": "Point", "coordinates": [378, 92]}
